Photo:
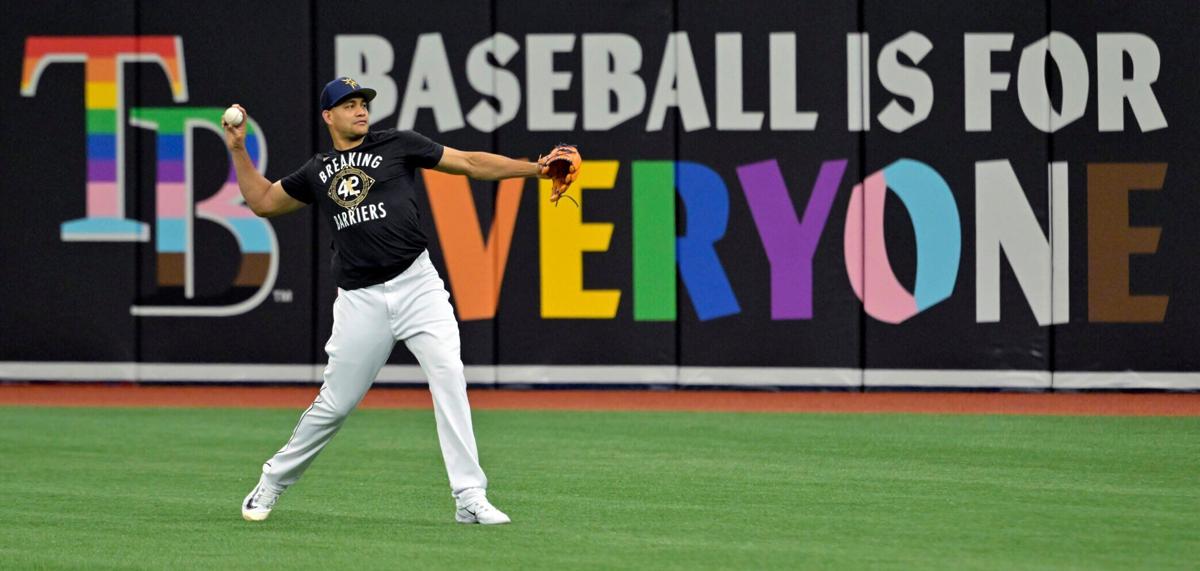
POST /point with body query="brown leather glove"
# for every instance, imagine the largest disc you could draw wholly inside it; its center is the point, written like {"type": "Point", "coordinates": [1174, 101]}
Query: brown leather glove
{"type": "Point", "coordinates": [562, 166]}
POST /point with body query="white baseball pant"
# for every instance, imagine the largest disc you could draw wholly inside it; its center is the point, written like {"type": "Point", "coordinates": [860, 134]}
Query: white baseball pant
{"type": "Point", "coordinates": [412, 307]}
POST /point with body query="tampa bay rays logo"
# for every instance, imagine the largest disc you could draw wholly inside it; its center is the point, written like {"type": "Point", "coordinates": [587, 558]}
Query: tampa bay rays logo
{"type": "Point", "coordinates": [179, 210]}
{"type": "Point", "coordinates": [353, 84]}
{"type": "Point", "coordinates": [350, 187]}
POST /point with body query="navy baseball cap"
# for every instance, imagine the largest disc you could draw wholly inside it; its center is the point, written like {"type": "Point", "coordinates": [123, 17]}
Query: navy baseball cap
{"type": "Point", "coordinates": [342, 88]}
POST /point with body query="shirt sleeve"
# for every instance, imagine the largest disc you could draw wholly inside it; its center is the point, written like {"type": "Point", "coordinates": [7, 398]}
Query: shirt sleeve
{"type": "Point", "coordinates": [422, 151]}
{"type": "Point", "coordinates": [297, 184]}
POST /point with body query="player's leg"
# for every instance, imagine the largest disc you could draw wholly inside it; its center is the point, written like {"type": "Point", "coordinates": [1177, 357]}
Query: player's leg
{"type": "Point", "coordinates": [358, 347]}
{"type": "Point", "coordinates": [429, 330]}
{"type": "Point", "coordinates": [427, 326]}
{"type": "Point", "coordinates": [437, 352]}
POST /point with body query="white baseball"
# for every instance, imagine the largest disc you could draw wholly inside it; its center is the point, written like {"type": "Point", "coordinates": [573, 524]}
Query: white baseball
{"type": "Point", "coordinates": [233, 117]}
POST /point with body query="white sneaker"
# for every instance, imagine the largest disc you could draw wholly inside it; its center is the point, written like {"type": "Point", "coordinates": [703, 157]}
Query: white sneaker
{"type": "Point", "coordinates": [258, 503]}
{"type": "Point", "coordinates": [477, 509]}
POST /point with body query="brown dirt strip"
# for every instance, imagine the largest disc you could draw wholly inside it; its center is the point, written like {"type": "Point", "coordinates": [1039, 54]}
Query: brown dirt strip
{"type": "Point", "coordinates": [1108, 404]}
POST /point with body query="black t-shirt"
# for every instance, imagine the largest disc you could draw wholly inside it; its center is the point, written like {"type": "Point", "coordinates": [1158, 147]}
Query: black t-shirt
{"type": "Point", "coordinates": [368, 196]}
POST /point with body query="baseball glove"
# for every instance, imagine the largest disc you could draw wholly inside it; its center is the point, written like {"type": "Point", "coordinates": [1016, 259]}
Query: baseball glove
{"type": "Point", "coordinates": [562, 166]}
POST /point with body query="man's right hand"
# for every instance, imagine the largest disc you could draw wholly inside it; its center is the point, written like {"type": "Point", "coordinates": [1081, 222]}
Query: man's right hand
{"type": "Point", "coordinates": [235, 137]}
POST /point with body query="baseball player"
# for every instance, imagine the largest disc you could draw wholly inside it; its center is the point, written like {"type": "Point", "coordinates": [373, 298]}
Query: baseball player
{"type": "Point", "coordinates": [388, 291]}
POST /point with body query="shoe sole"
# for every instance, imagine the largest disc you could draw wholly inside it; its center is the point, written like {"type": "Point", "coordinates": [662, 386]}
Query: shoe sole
{"type": "Point", "coordinates": [473, 520]}
{"type": "Point", "coordinates": [249, 516]}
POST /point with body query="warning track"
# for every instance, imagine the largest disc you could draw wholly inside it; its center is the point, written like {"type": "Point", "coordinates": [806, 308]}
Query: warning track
{"type": "Point", "coordinates": [132, 395]}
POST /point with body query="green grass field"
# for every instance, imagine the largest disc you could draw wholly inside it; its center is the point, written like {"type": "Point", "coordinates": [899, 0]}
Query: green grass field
{"type": "Point", "coordinates": [159, 488]}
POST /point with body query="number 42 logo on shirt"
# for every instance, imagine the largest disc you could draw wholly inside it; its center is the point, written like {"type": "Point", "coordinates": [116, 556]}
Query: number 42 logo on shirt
{"type": "Point", "coordinates": [350, 186]}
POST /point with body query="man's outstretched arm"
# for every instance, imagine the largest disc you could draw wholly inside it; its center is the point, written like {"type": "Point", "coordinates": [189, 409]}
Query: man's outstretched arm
{"type": "Point", "coordinates": [485, 166]}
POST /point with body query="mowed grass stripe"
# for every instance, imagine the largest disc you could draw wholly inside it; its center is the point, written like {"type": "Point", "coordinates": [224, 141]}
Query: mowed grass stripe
{"type": "Point", "coordinates": [159, 488]}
